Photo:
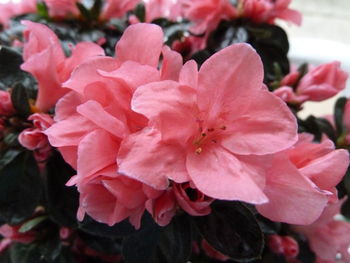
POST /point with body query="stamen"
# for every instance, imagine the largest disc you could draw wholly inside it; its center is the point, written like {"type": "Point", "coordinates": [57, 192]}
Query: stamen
{"type": "Point", "coordinates": [223, 127]}
{"type": "Point", "coordinates": [204, 134]}
{"type": "Point", "coordinates": [211, 129]}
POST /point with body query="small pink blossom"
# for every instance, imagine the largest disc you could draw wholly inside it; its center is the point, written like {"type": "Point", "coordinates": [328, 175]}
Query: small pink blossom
{"type": "Point", "coordinates": [11, 9]}
{"type": "Point", "coordinates": [118, 8]}
{"type": "Point", "coordinates": [207, 14]}
{"type": "Point", "coordinates": [170, 9]}
{"type": "Point", "coordinates": [310, 172]}
{"type": "Point", "coordinates": [327, 236]}
{"type": "Point", "coordinates": [266, 11]}
{"type": "Point", "coordinates": [6, 107]}
{"type": "Point", "coordinates": [32, 139]}
{"type": "Point", "coordinates": [11, 234]}
{"type": "Point", "coordinates": [45, 60]}
{"type": "Point", "coordinates": [285, 245]}
{"type": "Point", "coordinates": [62, 8]}
{"type": "Point", "coordinates": [191, 200]}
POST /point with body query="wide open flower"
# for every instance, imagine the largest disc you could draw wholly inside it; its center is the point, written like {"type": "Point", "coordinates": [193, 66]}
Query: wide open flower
{"type": "Point", "coordinates": [96, 115]}
{"type": "Point", "coordinates": [302, 181]}
{"type": "Point", "coordinates": [45, 60]}
{"type": "Point", "coordinates": [118, 8]}
{"type": "Point", "coordinates": [213, 128]}
{"type": "Point", "coordinates": [170, 9]}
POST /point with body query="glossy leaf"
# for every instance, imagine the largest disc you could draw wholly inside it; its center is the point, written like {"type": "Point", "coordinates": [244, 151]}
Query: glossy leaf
{"type": "Point", "coordinates": [233, 230]}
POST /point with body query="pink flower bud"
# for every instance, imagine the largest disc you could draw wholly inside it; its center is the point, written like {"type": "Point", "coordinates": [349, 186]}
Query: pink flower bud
{"type": "Point", "coordinates": [290, 247]}
{"type": "Point", "coordinates": [32, 139]}
{"type": "Point", "coordinates": [323, 82]}
{"type": "Point", "coordinates": [65, 233]}
{"type": "Point", "coordinates": [275, 244]}
{"type": "Point", "coordinates": [6, 107]}
{"type": "Point", "coordinates": [41, 121]}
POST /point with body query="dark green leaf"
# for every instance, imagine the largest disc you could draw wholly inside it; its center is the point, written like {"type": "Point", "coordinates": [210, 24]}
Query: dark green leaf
{"type": "Point", "coordinates": [10, 72]}
{"type": "Point", "coordinates": [42, 9]}
{"type": "Point", "coordinates": [338, 115]}
{"type": "Point", "coordinates": [140, 12]}
{"type": "Point", "coordinates": [109, 246]}
{"type": "Point", "coordinates": [233, 230]}
{"type": "Point", "coordinates": [62, 201]}
{"type": "Point", "coordinates": [20, 100]}
{"type": "Point", "coordinates": [84, 12]}
{"type": "Point", "coordinates": [26, 253]}
{"type": "Point", "coordinates": [96, 9]}
{"type": "Point", "coordinates": [154, 244]}
{"type": "Point", "coordinates": [31, 224]}
{"type": "Point", "coordinates": [20, 188]}
{"type": "Point", "coordinates": [8, 157]}
{"type": "Point", "coordinates": [93, 227]}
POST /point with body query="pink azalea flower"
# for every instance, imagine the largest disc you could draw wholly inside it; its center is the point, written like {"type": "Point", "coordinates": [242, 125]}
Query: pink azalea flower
{"type": "Point", "coordinates": [320, 83]}
{"type": "Point", "coordinates": [327, 236]}
{"type": "Point", "coordinates": [207, 14]}
{"type": "Point", "coordinates": [62, 8]}
{"type": "Point", "coordinates": [11, 234]}
{"type": "Point", "coordinates": [6, 107]}
{"type": "Point", "coordinates": [266, 11]}
{"type": "Point", "coordinates": [118, 8]}
{"type": "Point", "coordinates": [11, 9]}
{"type": "Point", "coordinates": [170, 9]}
{"type": "Point", "coordinates": [213, 128]}
{"type": "Point", "coordinates": [34, 138]}
{"type": "Point", "coordinates": [45, 60]}
{"type": "Point", "coordinates": [310, 172]}
{"type": "Point", "coordinates": [96, 115]}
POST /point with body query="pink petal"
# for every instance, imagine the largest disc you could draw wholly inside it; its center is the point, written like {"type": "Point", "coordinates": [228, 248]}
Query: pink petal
{"type": "Point", "coordinates": [94, 112]}
{"type": "Point", "coordinates": [232, 74]}
{"type": "Point", "coordinates": [141, 43]}
{"type": "Point", "coordinates": [292, 197]}
{"type": "Point", "coordinates": [171, 64]}
{"type": "Point", "coordinates": [327, 171]}
{"type": "Point", "coordinates": [40, 38]}
{"type": "Point", "coordinates": [144, 157]}
{"type": "Point", "coordinates": [44, 68]}
{"type": "Point", "coordinates": [291, 16]}
{"type": "Point", "coordinates": [69, 132]}
{"type": "Point", "coordinates": [168, 105]}
{"type": "Point", "coordinates": [189, 74]}
{"type": "Point", "coordinates": [67, 106]}
{"type": "Point", "coordinates": [133, 74]}
{"type": "Point", "coordinates": [96, 151]}
{"type": "Point", "coordinates": [130, 197]}
{"type": "Point", "coordinates": [262, 124]}
{"type": "Point", "coordinates": [81, 52]}
{"type": "Point", "coordinates": [87, 73]}
{"type": "Point", "coordinates": [219, 174]}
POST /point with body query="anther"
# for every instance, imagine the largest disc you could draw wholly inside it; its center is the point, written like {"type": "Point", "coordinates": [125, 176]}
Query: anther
{"type": "Point", "coordinates": [204, 134]}
{"type": "Point", "coordinates": [214, 141]}
{"type": "Point", "coordinates": [198, 150]}
{"type": "Point", "coordinates": [210, 129]}
{"type": "Point", "coordinates": [223, 127]}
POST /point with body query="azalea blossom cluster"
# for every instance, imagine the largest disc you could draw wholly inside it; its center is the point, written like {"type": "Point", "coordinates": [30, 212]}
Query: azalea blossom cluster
{"type": "Point", "coordinates": [150, 131]}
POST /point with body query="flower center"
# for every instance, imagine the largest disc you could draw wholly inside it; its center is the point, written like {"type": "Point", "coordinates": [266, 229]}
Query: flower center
{"type": "Point", "coordinates": [209, 135]}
